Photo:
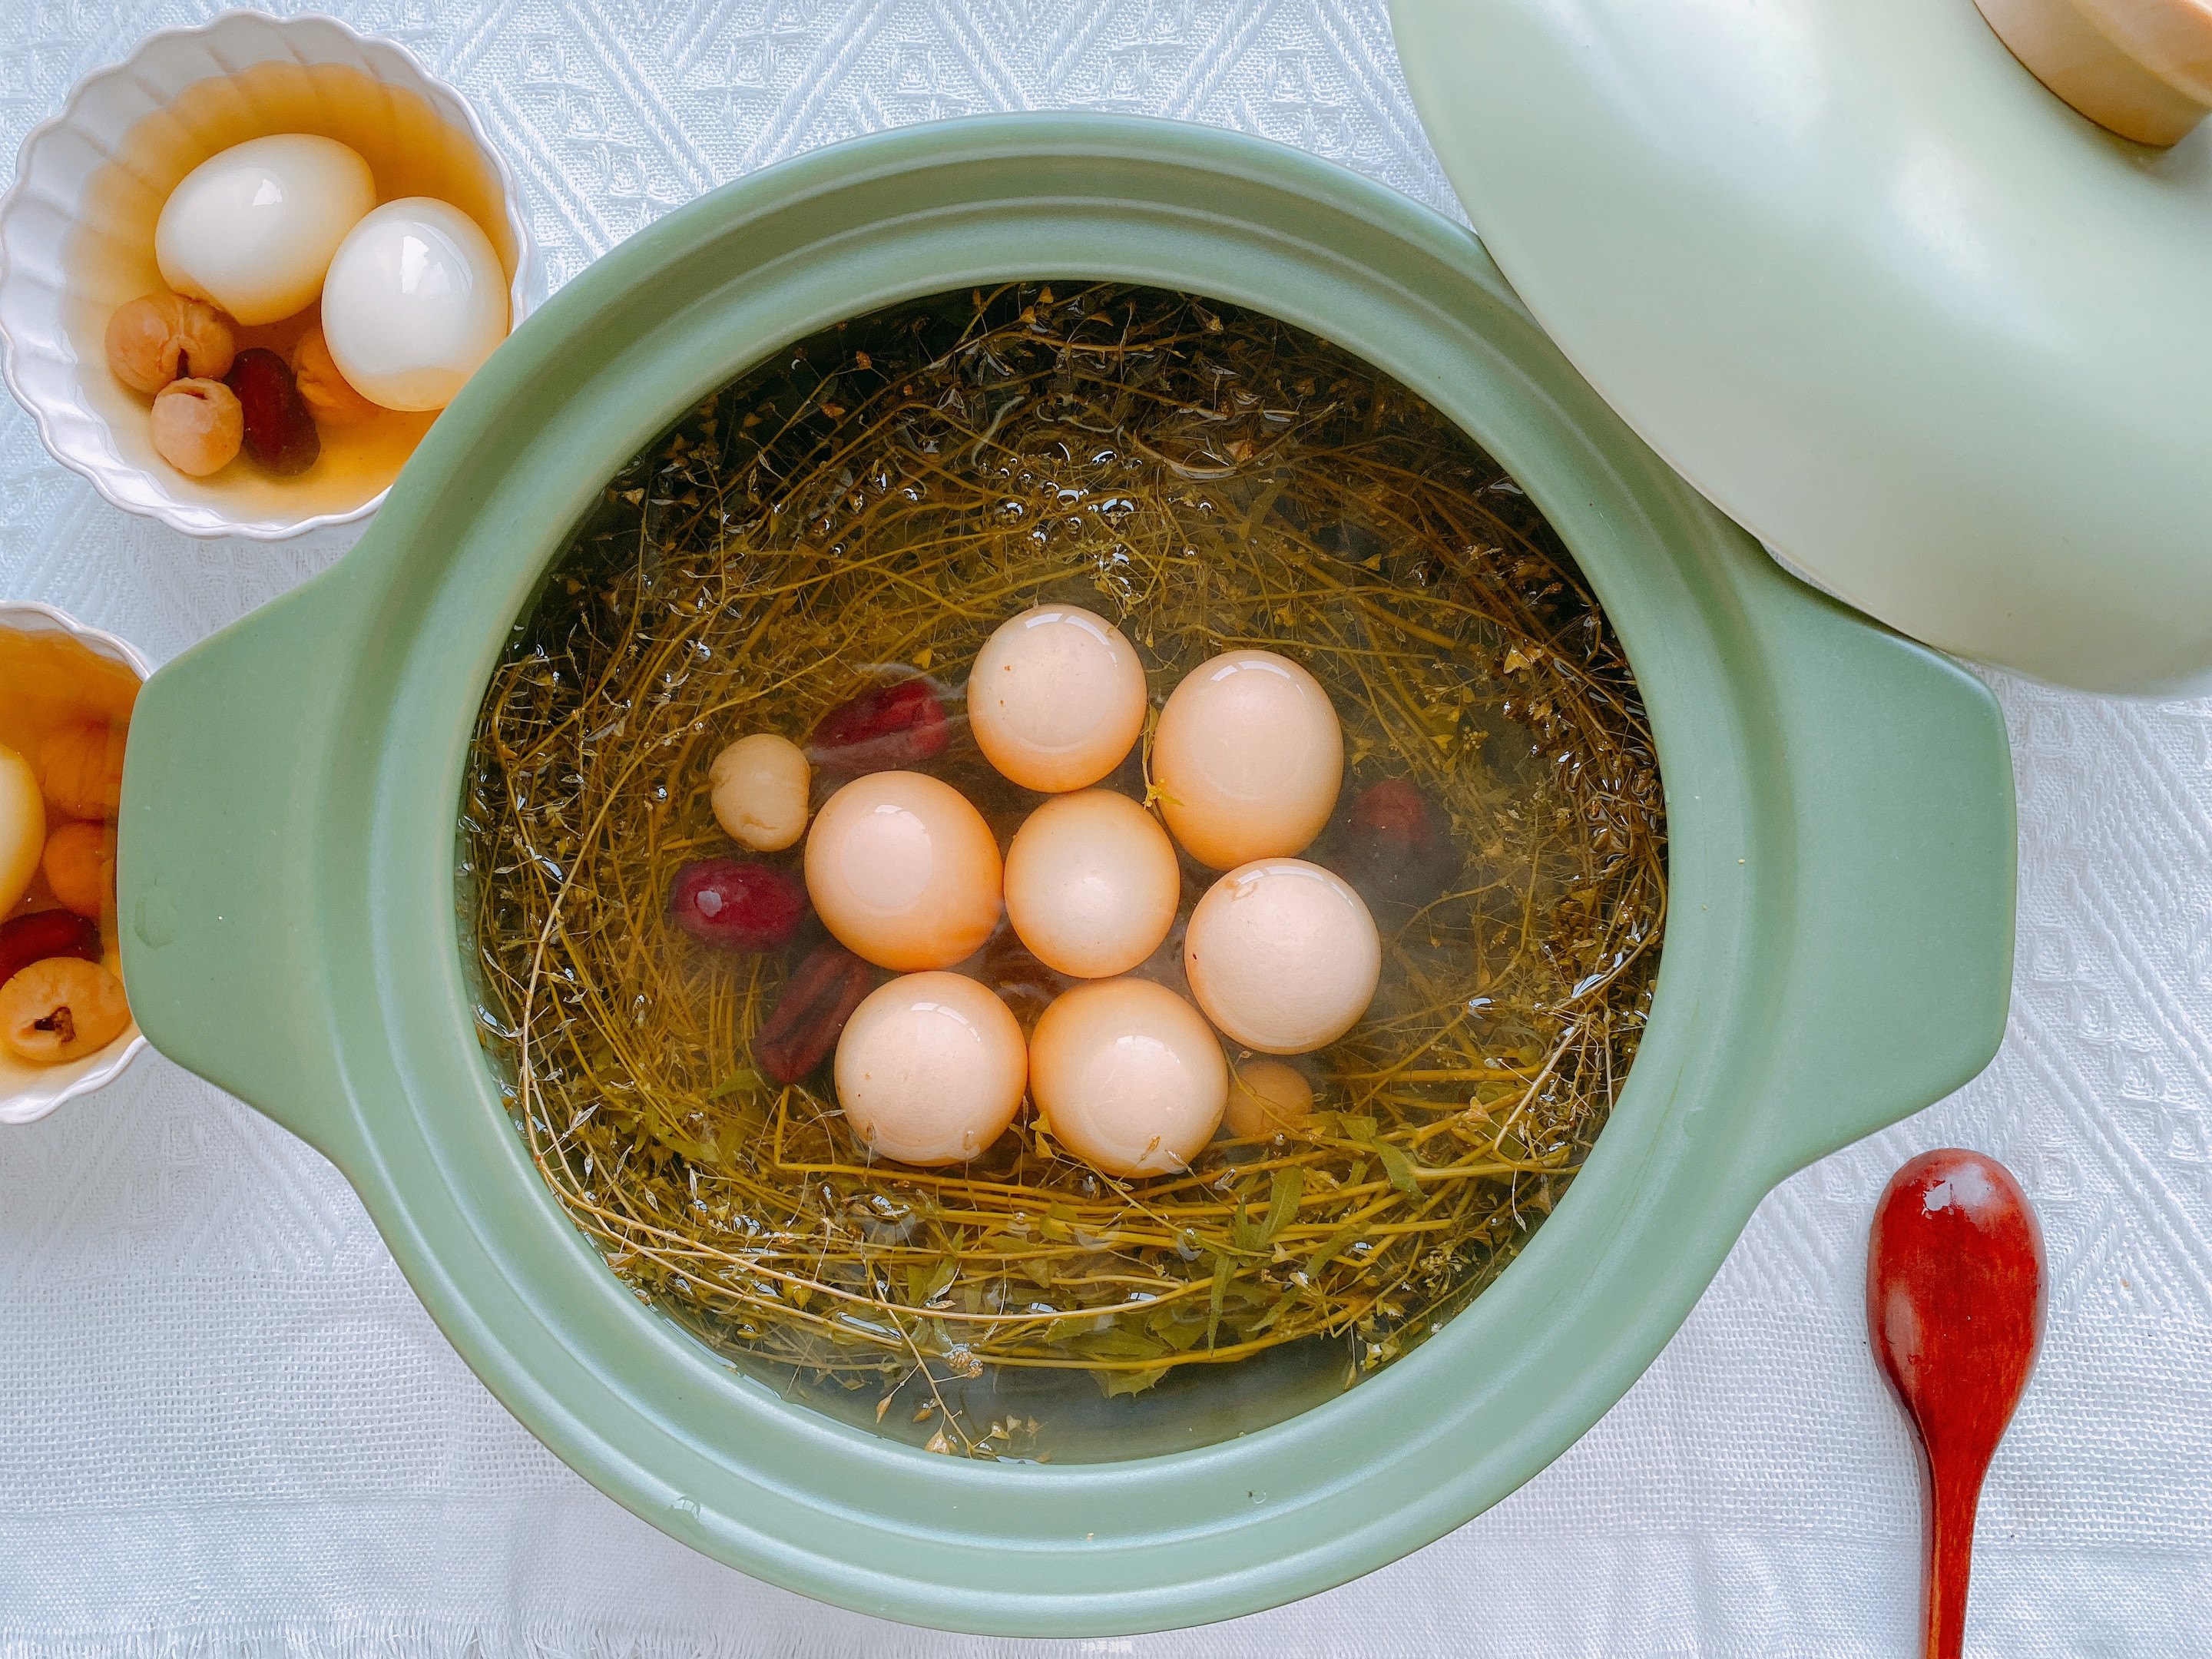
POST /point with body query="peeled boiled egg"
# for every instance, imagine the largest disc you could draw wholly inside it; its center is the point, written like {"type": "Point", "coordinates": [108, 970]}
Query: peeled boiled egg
{"type": "Point", "coordinates": [930, 1069]}
{"type": "Point", "coordinates": [1265, 1096]}
{"type": "Point", "coordinates": [251, 229]}
{"type": "Point", "coordinates": [1248, 758]}
{"type": "Point", "coordinates": [1056, 699]}
{"type": "Point", "coordinates": [1127, 1075]}
{"type": "Point", "coordinates": [415, 299]}
{"type": "Point", "coordinates": [1283, 956]}
{"type": "Point", "coordinates": [1091, 884]}
{"type": "Point", "coordinates": [22, 828]}
{"type": "Point", "coordinates": [904, 870]}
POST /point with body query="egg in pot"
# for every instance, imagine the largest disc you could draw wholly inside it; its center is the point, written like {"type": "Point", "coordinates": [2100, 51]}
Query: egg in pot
{"type": "Point", "coordinates": [1267, 1097]}
{"type": "Point", "coordinates": [930, 1069]}
{"type": "Point", "coordinates": [1283, 956]}
{"type": "Point", "coordinates": [1056, 698]}
{"type": "Point", "coordinates": [415, 299]}
{"type": "Point", "coordinates": [1129, 1077]}
{"type": "Point", "coordinates": [1248, 758]}
{"type": "Point", "coordinates": [904, 870]}
{"type": "Point", "coordinates": [251, 229]}
{"type": "Point", "coordinates": [1091, 884]}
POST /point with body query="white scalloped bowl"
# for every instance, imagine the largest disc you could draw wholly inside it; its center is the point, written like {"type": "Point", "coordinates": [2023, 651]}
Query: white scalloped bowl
{"type": "Point", "coordinates": [28, 1093]}
{"type": "Point", "coordinates": [76, 240]}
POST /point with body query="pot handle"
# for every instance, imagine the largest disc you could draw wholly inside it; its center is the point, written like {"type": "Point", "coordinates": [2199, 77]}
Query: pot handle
{"type": "Point", "coordinates": [222, 778]}
{"type": "Point", "coordinates": [1905, 854]}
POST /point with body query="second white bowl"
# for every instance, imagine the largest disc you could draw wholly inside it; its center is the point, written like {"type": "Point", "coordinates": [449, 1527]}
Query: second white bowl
{"type": "Point", "coordinates": [28, 1093]}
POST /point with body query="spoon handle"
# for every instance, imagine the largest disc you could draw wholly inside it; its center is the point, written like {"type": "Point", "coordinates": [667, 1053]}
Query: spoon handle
{"type": "Point", "coordinates": [1954, 1494]}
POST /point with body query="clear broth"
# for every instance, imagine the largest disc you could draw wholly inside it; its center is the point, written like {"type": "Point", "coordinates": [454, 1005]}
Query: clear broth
{"type": "Point", "coordinates": [874, 502]}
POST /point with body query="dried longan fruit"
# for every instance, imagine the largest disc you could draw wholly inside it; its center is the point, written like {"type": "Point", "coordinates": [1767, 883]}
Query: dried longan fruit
{"type": "Point", "coordinates": [79, 862]}
{"type": "Point", "coordinates": [760, 785]}
{"type": "Point", "coordinates": [61, 1010]}
{"type": "Point", "coordinates": [158, 336]}
{"type": "Point", "coordinates": [80, 768]}
{"type": "Point", "coordinates": [329, 396]}
{"type": "Point", "coordinates": [197, 426]}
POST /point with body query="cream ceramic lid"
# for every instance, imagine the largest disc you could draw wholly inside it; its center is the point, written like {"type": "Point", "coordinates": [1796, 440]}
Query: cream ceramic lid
{"type": "Point", "coordinates": [1943, 343]}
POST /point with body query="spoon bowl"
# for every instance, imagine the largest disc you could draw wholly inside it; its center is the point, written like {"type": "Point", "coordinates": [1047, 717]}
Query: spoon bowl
{"type": "Point", "coordinates": [1954, 1308]}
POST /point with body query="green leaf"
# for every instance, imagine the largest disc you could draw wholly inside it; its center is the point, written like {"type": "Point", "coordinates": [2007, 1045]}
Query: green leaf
{"type": "Point", "coordinates": [1121, 1382]}
{"type": "Point", "coordinates": [1179, 1335]}
{"type": "Point", "coordinates": [1242, 1234]}
{"type": "Point", "coordinates": [1283, 1188]}
{"type": "Point", "coordinates": [1222, 1268]}
{"type": "Point", "coordinates": [1337, 1243]}
{"type": "Point", "coordinates": [924, 1282]}
{"type": "Point", "coordinates": [1118, 1342]}
{"type": "Point", "coordinates": [1397, 1166]}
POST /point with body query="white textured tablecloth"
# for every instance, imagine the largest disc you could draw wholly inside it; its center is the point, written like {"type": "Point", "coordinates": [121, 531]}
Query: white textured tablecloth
{"type": "Point", "coordinates": [226, 1425]}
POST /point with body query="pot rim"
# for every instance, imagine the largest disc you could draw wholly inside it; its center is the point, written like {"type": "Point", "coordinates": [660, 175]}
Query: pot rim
{"type": "Point", "coordinates": [1839, 800]}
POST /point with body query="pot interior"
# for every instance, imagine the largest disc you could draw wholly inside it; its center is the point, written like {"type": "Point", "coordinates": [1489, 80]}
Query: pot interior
{"type": "Point", "coordinates": [855, 514]}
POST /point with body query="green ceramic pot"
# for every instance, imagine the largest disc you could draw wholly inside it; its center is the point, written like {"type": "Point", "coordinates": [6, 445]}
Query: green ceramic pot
{"type": "Point", "coordinates": [1836, 955]}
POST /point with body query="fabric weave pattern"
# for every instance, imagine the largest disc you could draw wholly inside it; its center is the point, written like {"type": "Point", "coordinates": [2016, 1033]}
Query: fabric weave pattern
{"type": "Point", "coordinates": [228, 1428]}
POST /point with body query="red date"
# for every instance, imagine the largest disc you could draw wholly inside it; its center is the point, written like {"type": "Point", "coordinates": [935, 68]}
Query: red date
{"type": "Point", "coordinates": [280, 431]}
{"type": "Point", "coordinates": [810, 1016]}
{"type": "Point", "coordinates": [735, 906]}
{"type": "Point", "coordinates": [45, 935]}
{"type": "Point", "coordinates": [883, 730]}
{"type": "Point", "coordinates": [1395, 845]}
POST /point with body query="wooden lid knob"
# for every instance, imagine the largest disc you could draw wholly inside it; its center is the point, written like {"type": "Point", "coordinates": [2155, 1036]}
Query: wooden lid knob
{"type": "Point", "coordinates": [2141, 68]}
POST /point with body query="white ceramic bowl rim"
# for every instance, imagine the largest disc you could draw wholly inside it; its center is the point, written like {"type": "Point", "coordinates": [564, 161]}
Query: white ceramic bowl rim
{"type": "Point", "coordinates": [29, 1105]}
{"type": "Point", "coordinates": [105, 474]}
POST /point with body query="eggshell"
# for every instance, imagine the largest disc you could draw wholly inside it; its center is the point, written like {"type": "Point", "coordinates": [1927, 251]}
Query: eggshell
{"type": "Point", "coordinates": [414, 300]}
{"type": "Point", "coordinates": [22, 828]}
{"type": "Point", "coordinates": [1248, 758]}
{"type": "Point", "coordinates": [1283, 956]}
{"type": "Point", "coordinates": [930, 1069]}
{"type": "Point", "coordinates": [1056, 699]}
{"type": "Point", "coordinates": [1091, 884]}
{"type": "Point", "coordinates": [1265, 1096]}
{"type": "Point", "coordinates": [1127, 1075]}
{"type": "Point", "coordinates": [251, 229]}
{"type": "Point", "coordinates": [904, 870]}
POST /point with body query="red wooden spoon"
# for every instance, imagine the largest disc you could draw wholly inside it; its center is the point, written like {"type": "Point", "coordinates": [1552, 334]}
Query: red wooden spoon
{"type": "Point", "coordinates": [1954, 1304]}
